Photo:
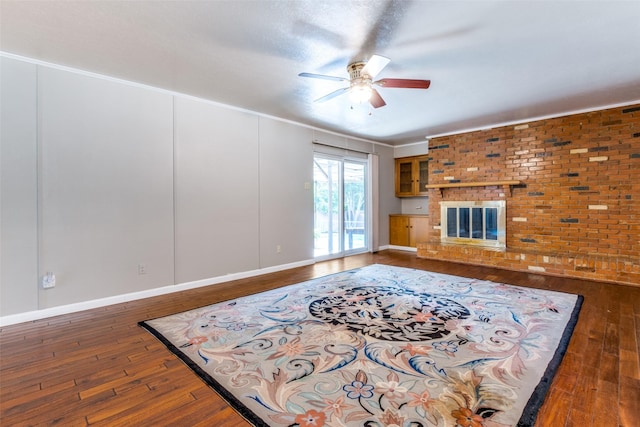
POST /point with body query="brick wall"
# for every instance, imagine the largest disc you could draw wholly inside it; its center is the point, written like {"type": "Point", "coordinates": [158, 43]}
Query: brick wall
{"type": "Point", "coordinates": [577, 212]}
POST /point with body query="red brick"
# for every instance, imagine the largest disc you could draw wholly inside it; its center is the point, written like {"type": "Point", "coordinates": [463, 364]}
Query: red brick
{"type": "Point", "coordinates": [597, 237]}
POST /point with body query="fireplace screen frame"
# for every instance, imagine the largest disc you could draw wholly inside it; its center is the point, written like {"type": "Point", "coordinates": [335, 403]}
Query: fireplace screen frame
{"type": "Point", "coordinates": [470, 213]}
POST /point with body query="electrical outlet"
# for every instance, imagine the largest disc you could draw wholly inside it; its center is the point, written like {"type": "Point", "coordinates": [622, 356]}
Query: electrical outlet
{"type": "Point", "coordinates": [142, 269]}
{"type": "Point", "coordinates": [278, 249]}
{"type": "Point", "coordinates": [49, 281]}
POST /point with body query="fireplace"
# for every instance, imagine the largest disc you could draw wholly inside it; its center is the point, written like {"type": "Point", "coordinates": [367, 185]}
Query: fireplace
{"type": "Point", "coordinates": [478, 223]}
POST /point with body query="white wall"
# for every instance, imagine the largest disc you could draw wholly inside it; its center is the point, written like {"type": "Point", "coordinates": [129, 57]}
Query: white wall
{"type": "Point", "coordinates": [106, 187]}
{"type": "Point", "coordinates": [416, 149]}
{"type": "Point", "coordinates": [286, 205]}
{"type": "Point", "coordinates": [100, 176]}
{"type": "Point", "coordinates": [18, 188]}
{"type": "Point", "coordinates": [389, 203]}
{"type": "Point", "coordinates": [217, 204]}
{"type": "Point", "coordinates": [415, 205]}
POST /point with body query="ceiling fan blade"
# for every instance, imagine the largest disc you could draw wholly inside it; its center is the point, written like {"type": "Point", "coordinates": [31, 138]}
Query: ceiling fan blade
{"type": "Point", "coordinates": [332, 95]}
{"type": "Point", "coordinates": [405, 83]}
{"type": "Point", "coordinates": [324, 77]}
{"type": "Point", "coordinates": [375, 64]}
{"type": "Point", "coordinates": [376, 100]}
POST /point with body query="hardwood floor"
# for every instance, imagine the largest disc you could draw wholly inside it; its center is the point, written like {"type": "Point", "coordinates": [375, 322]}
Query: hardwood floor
{"type": "Point", "coordinates": [98, 367]}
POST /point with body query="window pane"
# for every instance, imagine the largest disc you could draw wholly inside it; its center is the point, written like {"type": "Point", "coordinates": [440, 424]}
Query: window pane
{"type": "Point", "coordinates": [326, 177]}
{"type": "Point", "coordinates": [464, 222]}
{"type": "Point", "coordinates": [423, 167]}
{"type": "Point", "coordinates": [406, 178]}
{"type": "Point", "coordinates": [452, 222]}
{"type": "Point", "coordinates": [476, 223]}
{"type": "Point", "coordinates": [492, 223]}
{"type": "Point", "coordinates": [354, 205]}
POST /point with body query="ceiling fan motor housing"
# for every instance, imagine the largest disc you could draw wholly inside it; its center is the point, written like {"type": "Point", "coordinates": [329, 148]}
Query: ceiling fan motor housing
{"type": "Point", "coordinates": [356, 76]}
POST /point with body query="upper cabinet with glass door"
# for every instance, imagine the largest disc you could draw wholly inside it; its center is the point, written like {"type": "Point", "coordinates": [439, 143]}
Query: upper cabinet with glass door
{"type": "Point", "coordinates": [412, 175]}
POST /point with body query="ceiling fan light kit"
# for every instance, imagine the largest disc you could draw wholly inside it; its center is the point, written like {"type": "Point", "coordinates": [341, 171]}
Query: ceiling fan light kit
{"type": "Point", "coordinates": [361, 82]}
{"type": "Point", "coordinates": [360, 92]}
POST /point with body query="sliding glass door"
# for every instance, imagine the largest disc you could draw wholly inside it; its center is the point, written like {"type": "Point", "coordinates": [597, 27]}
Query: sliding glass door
{"type": "Point", "coordinates": [327, 197]}
{"type": "Point", "coordinates": [354, 194]}
{"type": "Point", "coordinates": [340, 208]}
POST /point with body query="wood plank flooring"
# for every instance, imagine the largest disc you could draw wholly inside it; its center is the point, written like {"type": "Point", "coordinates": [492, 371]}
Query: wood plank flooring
{"type": "Point", "coordinates": [98, 367]}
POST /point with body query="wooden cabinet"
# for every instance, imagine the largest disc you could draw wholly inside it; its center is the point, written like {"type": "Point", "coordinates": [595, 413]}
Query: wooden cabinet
{"type": "Point", "coordinates": [408, 230]}
{"type": "Point", "coordinates": [412, 175]}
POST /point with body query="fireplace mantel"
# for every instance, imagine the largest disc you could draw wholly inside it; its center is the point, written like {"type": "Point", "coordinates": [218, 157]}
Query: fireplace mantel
{"type": "Point", "coordinates": [506, 184]}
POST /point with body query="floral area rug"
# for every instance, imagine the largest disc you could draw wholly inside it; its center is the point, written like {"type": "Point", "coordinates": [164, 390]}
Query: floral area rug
{"type": "Point", "coordinates": [379, 346]}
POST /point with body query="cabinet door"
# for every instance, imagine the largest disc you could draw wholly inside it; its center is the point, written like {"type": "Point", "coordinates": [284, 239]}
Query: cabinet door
{"type": "Point", "coordinates": [418, 230]}
{"type": "Point", "coordinates": [404, 177]}
{"type": "Point", "coordinates": [422, 176]}
{"type": "Point", "coordinates": [399, 230]}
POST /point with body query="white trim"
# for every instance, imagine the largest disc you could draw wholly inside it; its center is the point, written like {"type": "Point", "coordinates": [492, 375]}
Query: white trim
{"type": "Point", "coordinates": [373, 202]}
{"type": "Point", "coordinates": [402, 248]}
{"type": "Point", "coordinates": [116, 299]}
{"type": "Point", "coordinates": [408, 144]}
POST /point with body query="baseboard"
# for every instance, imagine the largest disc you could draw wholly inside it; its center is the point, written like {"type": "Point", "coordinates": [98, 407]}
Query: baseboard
{"type": "Point", "coordinates": [30, 316]}
{"type": "Point", "coordinates": [403, 248]}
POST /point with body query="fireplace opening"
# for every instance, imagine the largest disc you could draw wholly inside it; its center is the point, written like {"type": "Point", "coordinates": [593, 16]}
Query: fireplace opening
{"type": "Point", "coordinates": [480, 223]}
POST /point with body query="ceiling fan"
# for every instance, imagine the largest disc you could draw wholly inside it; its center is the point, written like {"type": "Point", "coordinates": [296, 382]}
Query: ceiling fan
{"type": "Point", "coordinates": [361, 75]}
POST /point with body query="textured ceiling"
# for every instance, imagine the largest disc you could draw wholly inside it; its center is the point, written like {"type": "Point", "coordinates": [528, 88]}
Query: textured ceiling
{"type": "Point", "coordinates": [490, 62]}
